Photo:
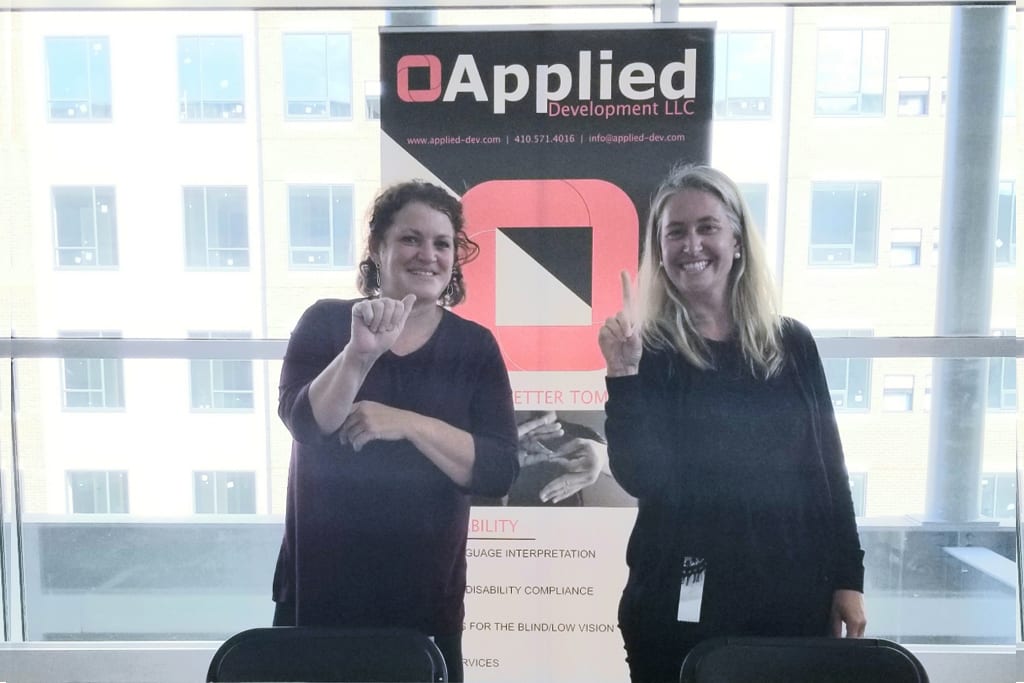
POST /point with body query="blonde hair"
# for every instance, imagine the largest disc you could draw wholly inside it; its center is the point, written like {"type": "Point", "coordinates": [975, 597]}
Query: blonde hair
{"type": "Point", "coordinates": [667, 323]}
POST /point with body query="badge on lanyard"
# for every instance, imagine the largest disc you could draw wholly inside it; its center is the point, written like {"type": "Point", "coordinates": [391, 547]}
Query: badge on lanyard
{"type": "Point", "coordinates": [691, 589]}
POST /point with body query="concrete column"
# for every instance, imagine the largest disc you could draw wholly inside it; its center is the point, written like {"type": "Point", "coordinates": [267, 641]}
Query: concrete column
{"type": "Point", "coordinates": [967, 234]}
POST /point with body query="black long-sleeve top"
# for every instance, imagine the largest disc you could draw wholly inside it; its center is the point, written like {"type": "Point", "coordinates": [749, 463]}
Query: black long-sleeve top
{"type": "Point", "coordinates": [378, 537]}
{"type": "Point", "coordinates": [745, 472]}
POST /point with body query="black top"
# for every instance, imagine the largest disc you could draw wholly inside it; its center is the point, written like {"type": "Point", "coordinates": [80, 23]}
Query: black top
{"type": "Point", "coordinates": [378, 537]}
{"type": "Point", "coordinates": [744, 472]}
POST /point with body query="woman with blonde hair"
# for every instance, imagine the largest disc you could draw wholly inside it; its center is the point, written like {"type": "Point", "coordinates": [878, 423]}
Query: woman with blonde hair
{"type": "Point", "coordinates": [720, 422]}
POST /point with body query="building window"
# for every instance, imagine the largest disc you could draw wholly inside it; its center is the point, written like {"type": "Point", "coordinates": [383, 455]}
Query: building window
{"type": "Point", "coordinates": [849, 379]}
{"type": "Point", "coordinates": [851, 73]}
{"type": "Point", "coordinates": [999, 495]}
{"type": "Point", "coordinates": [93, 383]}
{"type": "Point", "coordinates": [78, 75]}
{"type": "Point", "coordinates": [232, 493]}
{"type": "Point", "coordinates": [98, 492]}
{"type": "Point", "coordinates": [743, 75]}
{"type": "Point", "coordinates": [844, 223]}
{"type": "Point", "coordinates": [898, 393]}
{"type": "Point", "coordinates": [1002, 379]}
{"type": "Point", "coordinates": [85, 221]}
{"type": "Point", "coordinates": [905, 247]}
{"type": "Point", "coordinates": [318, 75]}
{"type": "Point", "coordinates": [221, 385]}
{"type": "Point", "coordinates": [211, 84]}
{"type": "Point", "coordinates": [372, 89]}
{"type": "Point", "coordinates": [756, 196]}
{"type": "Point", "coordinates": [859, 490]}
{"type": "Point", "coordinates": [320, 225]}
{"type": "Point", "coordinates": [913, 96]}
{"type": "Point", "coordinates": [1006, 225]}
{"type": "Point", "coordinates": [216, 227]}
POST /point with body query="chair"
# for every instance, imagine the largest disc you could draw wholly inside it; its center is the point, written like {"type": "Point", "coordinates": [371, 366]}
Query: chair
{"type": "Point", "coordinates": [320, 655]}
{"type": "Point", "coordinates": [801, 660]}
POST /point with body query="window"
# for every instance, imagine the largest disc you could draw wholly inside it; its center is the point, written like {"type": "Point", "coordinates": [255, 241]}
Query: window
{"type": "Point", "coordinates": [78, 75]}
{"type": "Point", "coordinates": [86, 225]}
{"type": "Point", "coordinates": [756, 196]}
{"type": "Point", "coordinates": [743, 75]}
{"type": "Point", "coordinates": [898, 393]}
{"type": "Point", "coordinates": [851, 73]}
{"type": "Point", "coordinates": [98, 492]}
{"type": "Point", "coordinates": [221, 385]}
{"type": "Point", "coordinates": [913, 96]}
{"type": "Point", "coordinates": [905, 247]}
{"type": "Point", "coordinates": [93, 383]}
{"type": "Point", "coordinates": [225, 492]}
{"type": "Point", "coordinates": [372, 100]}
{"type": "Point", "coordinates": [999, 495]}
{"type": "Point", "coordinates": [1002, 380]}
{"type": "Point", "coordinates": [1006, 225]}
{"type": "Point", "coordinates": [849, 379]}
{"type": "Point", "coordinates": [210, 78]}
{"type": "Point", "coordinates": [320, 225]}
{"type": "Point", "coordinates": [216, 227]}
{"type": "Point", "coordinates": [318, 75]}
{"type": "Point", "coordinates": [844, 223]}
{"type": "Point", "coordinates": [858, 489]}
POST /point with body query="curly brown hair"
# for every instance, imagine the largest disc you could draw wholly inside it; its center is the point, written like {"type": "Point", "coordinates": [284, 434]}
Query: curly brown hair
{"type": "Point", "coordinates": [389, 202]}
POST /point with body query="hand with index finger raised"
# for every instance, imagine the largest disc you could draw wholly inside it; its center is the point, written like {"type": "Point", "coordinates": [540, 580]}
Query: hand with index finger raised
{"type": "Point", "coordinates": [620, 339]}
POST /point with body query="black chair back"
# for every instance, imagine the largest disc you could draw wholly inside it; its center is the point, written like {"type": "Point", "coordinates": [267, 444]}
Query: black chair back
{"type": "Point", "coordinates": [801, 660]}
{"type": "Point", "coordinates": [327, 655]}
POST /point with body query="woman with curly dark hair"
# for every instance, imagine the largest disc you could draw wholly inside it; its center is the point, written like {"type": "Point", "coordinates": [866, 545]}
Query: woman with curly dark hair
{"type": "Point", "coordinates": [399, 410]}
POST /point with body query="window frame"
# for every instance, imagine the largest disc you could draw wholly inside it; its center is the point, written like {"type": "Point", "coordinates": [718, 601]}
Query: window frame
{"type": "Point", "coordinates": [217, 477]}
{"type": "Point", "coordinates": [333, 229]}
{"type": "Point", "coordinates": [230, 111]}
{"type": "Point", "coordinates": [113, 366]}
{"type": "Point", "coordinates": [721, 107]}
{"type": "Point", "coordinates": [859, 93]}
{"type": "Point", "coordinates": [105, 259]}
{"type": "Point", "coordinates": [857, 187]}
{"type": "Point", "coordinates": [69, 484]}
{"type": "Point", "coordinates": [92, 100]}
{"type": "Point", "coordinates": [325, 114]}
{"type": "Point", "coordinates": [212, 365]}
{"type": "Point", "coordinates": [191, 232]}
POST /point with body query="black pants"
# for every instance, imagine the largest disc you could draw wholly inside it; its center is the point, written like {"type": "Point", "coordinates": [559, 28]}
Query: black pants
{"type": "Point", "coordinates": [449, 645]}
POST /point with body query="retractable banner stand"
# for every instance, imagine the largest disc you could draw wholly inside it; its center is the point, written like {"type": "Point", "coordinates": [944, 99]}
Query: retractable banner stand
{"type": "Point", "coordinates": [555, 139]}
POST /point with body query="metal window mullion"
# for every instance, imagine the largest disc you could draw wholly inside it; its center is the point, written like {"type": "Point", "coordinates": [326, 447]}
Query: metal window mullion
{"type": "Point", "coordinates": [330, 226]}
{"type": "Point", "coordinates": [206, 214]}
{"type": "Point", "coordinates": [88, 77]}
{"type": "Point", "coordinates": [202, 95]}
{"type": "Point", "coordinates": [860, 76]}
{"type": "Point", "coordinates": [95, 225]}
{"type": "Point", "coordinates": [327, 78]}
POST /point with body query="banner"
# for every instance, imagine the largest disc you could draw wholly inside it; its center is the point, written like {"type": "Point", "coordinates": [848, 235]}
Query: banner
{"type": "Point", "coordinates": [555, 139]}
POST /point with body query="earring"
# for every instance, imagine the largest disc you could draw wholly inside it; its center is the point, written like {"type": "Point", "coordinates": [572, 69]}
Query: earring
{"type": "Point", "coordinates": [376, 276]}
{"type": "Point", "coordinates": [737, 255]}
{"type": "Point", "coordinates": [449, 291]}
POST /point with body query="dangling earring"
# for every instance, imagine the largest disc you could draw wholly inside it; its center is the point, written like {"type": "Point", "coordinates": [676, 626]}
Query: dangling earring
{"type": "Point", "coordinates": [376, 276]}
{"type": "Point", "coordinates": [449, 291]}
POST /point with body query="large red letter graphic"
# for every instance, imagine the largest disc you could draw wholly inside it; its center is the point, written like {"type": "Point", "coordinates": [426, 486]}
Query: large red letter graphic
{"type": "Point", "coordinates": [510, 204]}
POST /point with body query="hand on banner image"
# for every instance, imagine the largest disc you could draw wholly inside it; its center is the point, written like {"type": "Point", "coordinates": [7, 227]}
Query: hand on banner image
{"type": "Point", "coordinates": [377, 324]}
{"type": "Point", "coordinates": [620, 339]}
{"type": "Point", "coordinates": [532, 434]}
{"type": "Point", "coordinates": [583, 461]}
{"type": "Point", "coordinates": [370, 420]}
